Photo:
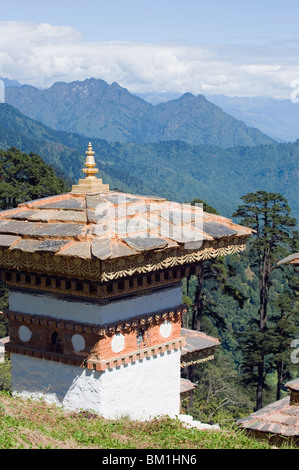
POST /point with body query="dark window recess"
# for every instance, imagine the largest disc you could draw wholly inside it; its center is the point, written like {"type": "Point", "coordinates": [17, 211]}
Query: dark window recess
{"type": "Point", "coordinates": [56, 342]}
{"type": "Point", "coordinates": [141, 337]}
{"type": "Point", "coordinates": [109, 288]}
{"type": "Point", "coordinates": [93, 288]}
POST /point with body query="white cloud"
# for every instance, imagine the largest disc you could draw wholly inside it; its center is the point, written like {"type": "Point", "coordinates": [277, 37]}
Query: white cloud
{"type": "Point", "coordinates": [40, 54]}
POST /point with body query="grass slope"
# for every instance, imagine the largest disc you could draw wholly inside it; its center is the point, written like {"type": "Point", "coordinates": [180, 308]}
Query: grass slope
{"type": "Point", "coordinates": [28, 424]}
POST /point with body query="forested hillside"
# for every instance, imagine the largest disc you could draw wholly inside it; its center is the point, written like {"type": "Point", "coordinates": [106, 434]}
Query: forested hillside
{"type": "Point", "coordinates": [173, 169]}
{"type": "Point", "coordinates": [252, 306]}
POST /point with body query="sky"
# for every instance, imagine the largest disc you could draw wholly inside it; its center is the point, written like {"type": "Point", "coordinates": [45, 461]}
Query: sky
{"type": "Point", "coordinates": [230, 47]}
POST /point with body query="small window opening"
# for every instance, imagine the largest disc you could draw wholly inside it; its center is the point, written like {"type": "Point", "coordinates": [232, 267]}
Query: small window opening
{"type": "Point", "coordinates": [140, 336]}
{"type": "Point", "coordinates": [56, 342]}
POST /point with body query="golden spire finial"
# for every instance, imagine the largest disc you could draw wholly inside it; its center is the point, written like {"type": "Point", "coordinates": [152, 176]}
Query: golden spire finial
{"type": "Point", "coordinates": [90, 184]}
{"type": "Point", "coordinates": [90, 164]}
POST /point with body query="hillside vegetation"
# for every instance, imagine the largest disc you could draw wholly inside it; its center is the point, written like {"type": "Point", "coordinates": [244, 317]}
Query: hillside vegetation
{"type": "Point", "coordinates": [175, 170]}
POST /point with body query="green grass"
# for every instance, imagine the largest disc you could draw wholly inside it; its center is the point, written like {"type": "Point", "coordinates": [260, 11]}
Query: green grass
{"type": "Point", "coordinates": [29, 424]}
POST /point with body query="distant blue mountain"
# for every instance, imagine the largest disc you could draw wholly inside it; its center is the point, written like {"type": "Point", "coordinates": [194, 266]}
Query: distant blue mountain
{"type": "Point", "coordinates": [277, 118]}
{"type": "Point", "coordinates": [10, 83]}
{"type": "Point", "coordinates": [96, 109]}
{"type": "Point", "coordinates": [173, 169]}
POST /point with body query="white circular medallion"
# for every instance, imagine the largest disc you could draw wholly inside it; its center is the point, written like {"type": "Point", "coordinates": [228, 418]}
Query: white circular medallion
{"type": "Point", "coordinates": [24, 333]}
{"type": "Point", "coordinates": [165, 329]}
{"type": "Point", "coordinates": [118, 343]}
{"type": "Point", "coordinates": [78, 342]}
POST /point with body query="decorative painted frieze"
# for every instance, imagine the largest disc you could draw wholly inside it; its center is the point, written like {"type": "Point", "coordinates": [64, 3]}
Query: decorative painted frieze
{"type": "Point", "coordinates": [95, 346]}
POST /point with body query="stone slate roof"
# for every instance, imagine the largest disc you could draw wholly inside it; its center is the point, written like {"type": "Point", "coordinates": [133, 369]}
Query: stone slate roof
{"type": "Point", "coordinates": [292, 259]}
{"type": "Point", "coordinates": [198, 346]}
{"type": "Point", "coordinates": [186, 386]}
{"type": "Point", "coordinates": [293, 385]}
{"type": "Point", "coordinates": [109, 225]}
{"type": "Point", "coordinates": [279, 418]}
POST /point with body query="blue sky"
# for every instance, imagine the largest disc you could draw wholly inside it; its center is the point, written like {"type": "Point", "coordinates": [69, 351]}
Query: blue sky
{"type": "Point", "coordinates": [230, 46]}
{"type": "Point", "coordinates": [164, 20]}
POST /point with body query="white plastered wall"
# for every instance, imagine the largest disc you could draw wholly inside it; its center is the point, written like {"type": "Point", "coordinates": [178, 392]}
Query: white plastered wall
{"type": "Point", "coordinates": [142, 390]}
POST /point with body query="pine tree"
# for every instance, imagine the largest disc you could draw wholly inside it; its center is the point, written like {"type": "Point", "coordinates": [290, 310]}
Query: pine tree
{"type": "Point", "coordinates": [201, 294]}
{"type": "Point", "coordinates": [285, 328]}
{"type": "Point", "coordinates": [269, 215]}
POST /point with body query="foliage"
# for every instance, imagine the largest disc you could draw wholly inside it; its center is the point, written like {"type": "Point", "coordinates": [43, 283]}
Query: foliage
{"type": "Point", "coordinates": [284, 328]}
{"type": "Point", "coordinates": [269, 215]}
{"type": "Point", "coordinates": [5, 375]}
{"type": "Point", "coordinates": [25, 177]}
{"type": "Point", "coordinates": [223, 300]}
{"type": "Point", "coordinates": [218, 396]}
{"type": "Point", "coordinates": [172, 169]}
{"type": "Point", "coordinates": [205, 206]}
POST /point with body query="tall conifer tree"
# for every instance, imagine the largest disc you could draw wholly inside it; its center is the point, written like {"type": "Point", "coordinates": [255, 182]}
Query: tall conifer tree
{"type": "Point", "coordinates": [269, 215]}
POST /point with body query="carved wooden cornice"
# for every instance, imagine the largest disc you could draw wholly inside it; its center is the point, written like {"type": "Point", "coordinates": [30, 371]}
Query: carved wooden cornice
{"type": "Point", "coordinates": [104, 271]}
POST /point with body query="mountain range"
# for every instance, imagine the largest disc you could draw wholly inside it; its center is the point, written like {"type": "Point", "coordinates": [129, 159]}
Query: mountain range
{"type": "Point", "coordinates": [98, 110]}
{"type": "Point", "coordinates": [277, 118]}
{"type": "Point", "coordinates": [173, 169]}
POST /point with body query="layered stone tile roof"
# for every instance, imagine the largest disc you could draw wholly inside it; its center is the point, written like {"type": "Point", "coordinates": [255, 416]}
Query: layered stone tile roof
{"type": "Point", "coordinates": [186, 387]}
{"type": "Point", "coordinates": [109, 225]}
{"type": "Point", "coordinates": [292, 259]}
{"type": "Point", "coordinates": [94, 224]}
{"type": "Point", "coordinates": [280, 418]}
{"type": "Point", "coordinates": [199, 347]}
